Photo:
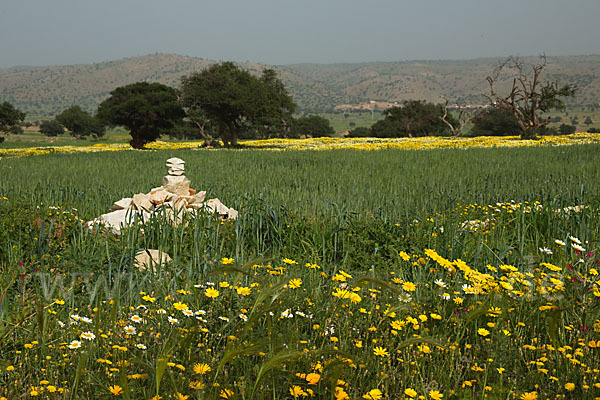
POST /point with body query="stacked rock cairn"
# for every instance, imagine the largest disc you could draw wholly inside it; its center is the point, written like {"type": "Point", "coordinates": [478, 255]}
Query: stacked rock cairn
{"type": "Point", "coordinates": [173, 198]}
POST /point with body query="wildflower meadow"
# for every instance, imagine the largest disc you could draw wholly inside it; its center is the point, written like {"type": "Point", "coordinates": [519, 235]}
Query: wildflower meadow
{"type": "Point", "coordinates": [448, 273]}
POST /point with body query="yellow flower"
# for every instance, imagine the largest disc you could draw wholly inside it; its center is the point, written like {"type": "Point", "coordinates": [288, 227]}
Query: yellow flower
{"type": "Point", "coordinates": [289, 261]}
{"type": "Point", "coordinates": [340, 393]}
{"type": "Point", "coordinates": [196, 385]}
{"type": "Point", "coordinates": [483, 331]}
{"type": "Point", "coordinates": [243, 291]}
{"type": "Point", "coordinates": [409, 286]}
{"type": "Point", "coordinates": [295, 283]}
{"type": "Point", "coordinates": [149, 299]}
{"type": "Point", "coordinates": [211, 292]}
{"type": "Point", "coordinates": [380, 351]}
{"type": "Point", "coordinates": [202, 369]}
{"type": "Point", "coordinates": [180, 306]}
{"type": "Point", "coordinates": [570, 386]}
{"type": "Point", "coordinates": [434, 394]}
{"type": "Point", "coordinates": [225, 393]}
{"type": "Point", "coordinates": [529, 396]}
{"type": "Point", "coordinates": [226, 261]}
{"type": "Point", "coordinates": [410, 392]}
{"type": "Point", "coordinates": [313, 378]}
{"type": "Point", "coordinates": [116, 390]}
{"type": "Point", "coordinates": [297, 391]}
{"type": "Point", "coordinates": [374, 394]}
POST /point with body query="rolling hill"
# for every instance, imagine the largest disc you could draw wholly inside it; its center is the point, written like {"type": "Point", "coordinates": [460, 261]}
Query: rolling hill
{"type": "Point", "coordinates": [46, 91]}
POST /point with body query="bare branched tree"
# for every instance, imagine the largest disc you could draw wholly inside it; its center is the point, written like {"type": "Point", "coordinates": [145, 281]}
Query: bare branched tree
{"type": "Point", "coordinates": [464, 116]}
{"type": "Point", "coordinates": [528, 95]}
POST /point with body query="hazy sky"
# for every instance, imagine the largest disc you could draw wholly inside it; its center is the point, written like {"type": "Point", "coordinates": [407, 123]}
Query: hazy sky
{"type": "Point", "coordinates": [56, 32]}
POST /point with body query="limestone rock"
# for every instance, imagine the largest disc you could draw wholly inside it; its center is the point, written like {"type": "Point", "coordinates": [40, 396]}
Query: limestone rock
{"type": "Point", "coordinates": [232, 214]}
{"type": "Point", "coordinates": [119, 219]}
{"type": "Point", "coordinates": [123, 204]}
{"type": "Point", "coordinates": [158, 197]}
{"type": "Point", "coordinates": [215, 206]}
{"type": "Point", "coordinates": [175, 160]}
{"type": "Point", "coordinates": [176, 172]}
{"type": "Point", "coordinates": [149, 259]}
{"type": "Point", "coordinates": [198, 198]}
{"type": "Point", "coordinates": [142, 202]}
{"type": "Point", "coordinates": [179, 185]}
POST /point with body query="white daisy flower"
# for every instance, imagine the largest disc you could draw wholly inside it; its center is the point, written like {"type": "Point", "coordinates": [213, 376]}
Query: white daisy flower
{"type": "Point", "coordinates": [440, 283]}
{"type": "Point", "coordinates": [173, 320]}
{"type": "Point", "coordinates": [578, 247]}
{"type": "Point", "coordinates": [575, 240]}
{"type": "Point", "coordinates": [141, 346]}
{"type": "Point", "coordinates": [86, 320]}
{"type": "Point", "coordinates": [559, 242]}
{"type": "Point", "coordinates": [129, 330]}
{"type": "Point", "coordinates": [75, 344]}
{"type": "Point", "coordinates": [136, 318]}
{"type": "Point", "coordinates": [545, 250]}
{"type": "Point", "coordinates": [88, 336]}
{"type": "Point", "coordinates": [224, 319]}
{"type": "Point", "coordinates": [405, 297]}
{"type": "Point", "coordinates": [187, 313]}
{"type": "Point", "coordinates": [244, 317]}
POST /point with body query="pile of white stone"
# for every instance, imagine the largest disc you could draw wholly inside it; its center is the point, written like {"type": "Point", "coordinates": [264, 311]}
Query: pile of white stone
{"type": "Point", "coordinates": [172, 200]}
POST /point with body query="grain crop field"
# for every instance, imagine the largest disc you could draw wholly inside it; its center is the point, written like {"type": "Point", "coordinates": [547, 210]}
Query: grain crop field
{"type": "Point", "coordinates": [432, 274]}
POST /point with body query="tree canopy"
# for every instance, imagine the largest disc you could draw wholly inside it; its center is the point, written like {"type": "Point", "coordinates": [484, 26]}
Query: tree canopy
{"type": "Point", "coordinates": [233, 99]}
{"type": "Point", "coordinates": [80, 123]}
{"type": "Point", "coordinates": [414, 118]}
{"type": "Point", "coordinates": [313, 126]}
{"type": "Point", "coordinates": [10, 118]}
{"type": "Point", "coordinates": [494, 121]}
{"type": "Point", "coordinates": [51, 128]}
{"type": "Point", "coordinates": [146, 109]}
{"type": "Point", "coordinates": [528, 96]}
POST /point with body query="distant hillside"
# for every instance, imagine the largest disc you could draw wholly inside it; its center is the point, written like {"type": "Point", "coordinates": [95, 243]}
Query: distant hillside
{"type": "Point", "coordinates": [46, 91]}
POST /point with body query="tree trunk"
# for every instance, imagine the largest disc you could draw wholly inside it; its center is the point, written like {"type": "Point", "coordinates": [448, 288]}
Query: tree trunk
{"type": "Point", "coordinates": [223, 133]}
{"type": "Point", "coordinates": [207, 139]}
{"type": "Point", "coordinates": [137, 142]}
{"type": "Point", "coordinates": [233, 133]}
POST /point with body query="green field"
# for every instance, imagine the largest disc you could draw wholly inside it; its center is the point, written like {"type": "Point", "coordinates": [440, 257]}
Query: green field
{"type": "Point", "coordinates": [447, 274]}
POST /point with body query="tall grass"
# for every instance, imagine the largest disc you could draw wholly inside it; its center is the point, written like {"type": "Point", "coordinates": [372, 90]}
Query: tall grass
{"type": "Point", "coordinates": [328, 282]}
{"type": "Point", "coordinates": [388, 183]}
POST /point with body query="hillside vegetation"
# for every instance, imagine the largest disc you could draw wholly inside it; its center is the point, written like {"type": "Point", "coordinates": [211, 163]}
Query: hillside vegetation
{"type": "Point", "coordinates": [46, 91]}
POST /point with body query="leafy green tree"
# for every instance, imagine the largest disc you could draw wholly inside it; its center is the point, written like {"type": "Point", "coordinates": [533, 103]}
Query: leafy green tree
{"type": "Point", "coordinates": [414, 118]}
{"type": "Point", "coordinates": [80, 123]}
{"type": "Point", "coordinates": [565, 129]}
{"type": "Point", "coordinates": [494, 121]}
{"type": "Point", "coordinates": [235, 101]}
{"type": "Point", "coordinates": [361, 131]}
{"type": "Point", "coordinates": [10, 118]}
{"type": "Point", "coordinates": [313, 126]}
{"type": "Point", "coordinates": [51, 128]}
{"type": "Point", "coordinates": [146, 109]}
{"type": "Point", "coordinates": [528, 96]}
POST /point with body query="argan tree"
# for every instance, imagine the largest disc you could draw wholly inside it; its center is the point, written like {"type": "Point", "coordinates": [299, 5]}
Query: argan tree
{"type": "Point", "coordinates": [458, 124]}
{"type": "Point", "coordinates": [146, 109]}
{"type": "Point", "coordinates": [233, 100]}
{"type": "Point", "coordinates": [528, 95]}
{"type": "Point", "coordinates": [10, 118]}
{"type": "Point", "coordinates": [80, 123]}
